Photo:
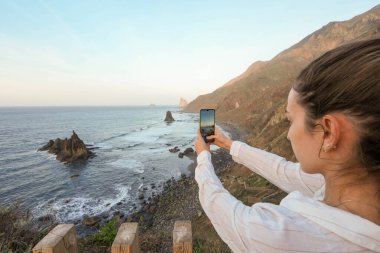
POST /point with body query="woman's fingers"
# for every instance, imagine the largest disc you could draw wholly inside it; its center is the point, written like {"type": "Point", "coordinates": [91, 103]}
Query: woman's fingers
{"type": "Point", "coordinates": [200, 144]}
{"type": "Point", "coordinates": [199, 135]}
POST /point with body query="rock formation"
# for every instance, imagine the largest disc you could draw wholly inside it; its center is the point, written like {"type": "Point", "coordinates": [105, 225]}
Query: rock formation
{"type": "Point", "coordinates": [90, 221]}
{"type": "Point", "coordinates": [174, 150]}
{"type": "Point", "coordinates": [182, 103]}
{"type": "Point", "coordinates": [68, 150]}
{"type": "Point", "coordinates": [169, 117]}
{"type": "Point", "coordinates": [187, 152]}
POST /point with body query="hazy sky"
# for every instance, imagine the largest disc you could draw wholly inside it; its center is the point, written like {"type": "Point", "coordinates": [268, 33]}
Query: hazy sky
{"type": "Point", "coordinates": [140, 52]}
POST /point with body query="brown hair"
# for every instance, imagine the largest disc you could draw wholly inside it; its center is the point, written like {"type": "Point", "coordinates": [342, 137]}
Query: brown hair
{"type": "Point", "coordinates": [347, 80]}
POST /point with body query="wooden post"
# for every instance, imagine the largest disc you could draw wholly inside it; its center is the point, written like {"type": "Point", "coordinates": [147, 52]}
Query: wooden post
{"type": "Point", "coordinates": [127, 239]}
{"type": "Point", "coordinates": [62, 239]}
{"type": "Point", "coordinates": [182, 237]}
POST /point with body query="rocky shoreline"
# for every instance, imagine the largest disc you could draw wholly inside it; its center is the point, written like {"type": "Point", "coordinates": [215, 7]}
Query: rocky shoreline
{"type": "Point", "coordinates": [180, 193]}
{"type": "Point", "coordinates": [178, 200]}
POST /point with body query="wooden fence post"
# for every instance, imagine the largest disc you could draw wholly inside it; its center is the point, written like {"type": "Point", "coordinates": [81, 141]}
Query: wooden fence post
{"type": "Point", "coordinates": [182, 237]}
{"type": "Point", "coordinates": [62, 239]}
{"type": "Point", "coordinates": [127, 239]}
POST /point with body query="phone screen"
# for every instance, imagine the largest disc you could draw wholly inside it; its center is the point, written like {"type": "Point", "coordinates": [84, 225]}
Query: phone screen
{"type": "Point", "coordinates": [207, 123]}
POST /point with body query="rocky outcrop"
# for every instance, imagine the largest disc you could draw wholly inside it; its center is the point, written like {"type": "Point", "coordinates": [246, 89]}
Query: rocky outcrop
{"type": "Point", "coordinates": [169, 117]}
{"type": "Point", "coordinates": [187, 152]}
{"type": "Point", "coordinates": [182, 103]}
{"type": "Point", "coordinates": [90, 221]}
{"type": "Point", "coordinates": [174, 150]}
{"type": "Point", "coordinates": [68, 150]}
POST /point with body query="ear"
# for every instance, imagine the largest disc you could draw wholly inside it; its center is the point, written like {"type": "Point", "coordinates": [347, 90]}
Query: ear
{"type": "Point", "coordinates": [332, 128]}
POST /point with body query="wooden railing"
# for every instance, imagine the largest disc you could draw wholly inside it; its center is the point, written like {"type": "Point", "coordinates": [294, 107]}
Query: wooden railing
{"type": "Point", "coordinates": [62, 239]}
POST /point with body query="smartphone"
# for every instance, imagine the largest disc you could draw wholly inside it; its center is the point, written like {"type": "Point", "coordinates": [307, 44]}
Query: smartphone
{"type": "Point", "coordinates": [207, 123]}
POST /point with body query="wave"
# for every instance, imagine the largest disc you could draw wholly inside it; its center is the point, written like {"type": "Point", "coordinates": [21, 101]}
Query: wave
{"type": "Point", "coordinates": [104, 145]}
{"type": "Point", "coordinates": [46, 155]}
{"type": "Point", "coordinates": [130, 164]}
{"type": "Point", "coordinates": [72, 209]}
{"type": "Point", "coordinates": [132, 131]}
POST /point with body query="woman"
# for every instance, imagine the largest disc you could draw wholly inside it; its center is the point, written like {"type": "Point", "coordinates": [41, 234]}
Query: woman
{"type": "Point", "coordinates": [333, 203]}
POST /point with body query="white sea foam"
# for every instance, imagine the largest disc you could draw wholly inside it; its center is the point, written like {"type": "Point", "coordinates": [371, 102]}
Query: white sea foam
{"type": "Point", "coordinates": [147, 135]}
{"type": "Point", "coordinates": [71, 209]}
{"type": "Point", "coordinates": [47, 155]}
{"type": "Point", "coordinates": [129, 164]}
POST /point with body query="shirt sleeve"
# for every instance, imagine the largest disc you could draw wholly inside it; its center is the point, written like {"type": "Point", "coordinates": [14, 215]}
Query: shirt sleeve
{"type": "Point", "coordinates": [217, 203]}
{"type": "Point", "coordinates": [262, 227]}
{"type": "Point", "coordinates": [286, 175]}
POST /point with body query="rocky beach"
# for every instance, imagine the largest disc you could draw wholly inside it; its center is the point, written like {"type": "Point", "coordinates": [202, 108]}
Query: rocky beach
{"type": "Point", "coordinates": [157, 208]}
{"type": "Point", "coordinates": [178, 200]}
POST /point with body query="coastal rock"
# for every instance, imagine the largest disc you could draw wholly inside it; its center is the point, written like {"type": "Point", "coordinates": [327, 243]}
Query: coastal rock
{"type": "Point", "coordinates": [182, 103]}
{"type": "Point", "coordinates": [187, 152]}
{"type": "Point", "coordinates": [174, 150]}
{"type": "Point", "coordinates": [90, 221]}
{"type": "Point", "coordinates": [68, 150]}
{"type": "Point", "coordinates": [169, 117]}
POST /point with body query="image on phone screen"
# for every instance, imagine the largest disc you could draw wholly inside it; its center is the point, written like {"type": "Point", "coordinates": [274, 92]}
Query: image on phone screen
{"type": "Point", "coordinates": [207, 123]}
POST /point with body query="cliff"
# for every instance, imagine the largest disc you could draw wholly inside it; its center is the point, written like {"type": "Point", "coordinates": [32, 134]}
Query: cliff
{"type": "Point", "coordinates": [261, 91]}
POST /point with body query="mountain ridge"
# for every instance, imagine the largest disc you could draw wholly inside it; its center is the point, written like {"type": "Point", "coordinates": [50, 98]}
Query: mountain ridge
{"type": "Point", "coordinates": [261, 91]}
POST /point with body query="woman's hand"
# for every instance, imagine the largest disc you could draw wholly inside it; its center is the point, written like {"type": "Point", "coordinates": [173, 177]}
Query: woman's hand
{"type": "Point", "coordinates": [200, 144]}
{"type": "Point", "coordinates": [220, 140]}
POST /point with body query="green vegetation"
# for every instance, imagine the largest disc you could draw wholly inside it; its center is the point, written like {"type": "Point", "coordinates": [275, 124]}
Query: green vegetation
{"type": "Point", "coordinates": [107, 233]}
{"type": "Point", "coordinates": [197, 245]}
{"type": "Point", "coordinates": [257, 180]}
{"type": "Point", "coordinates": [202, 245]}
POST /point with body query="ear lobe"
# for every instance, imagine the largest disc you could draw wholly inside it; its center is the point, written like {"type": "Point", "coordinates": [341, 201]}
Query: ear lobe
{"type": "Point", "coordinates": [331, 130]}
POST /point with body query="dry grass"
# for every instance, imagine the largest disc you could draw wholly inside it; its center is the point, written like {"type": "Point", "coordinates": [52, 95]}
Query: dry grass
{"type": "Point", "coordinates": [19, 231]}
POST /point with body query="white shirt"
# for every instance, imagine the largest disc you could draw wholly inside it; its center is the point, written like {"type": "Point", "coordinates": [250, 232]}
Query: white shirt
{"type": "Point", "coordinates": [301, 223]}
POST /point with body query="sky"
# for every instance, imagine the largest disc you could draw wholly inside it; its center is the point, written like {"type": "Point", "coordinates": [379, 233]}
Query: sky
{"type": "Point", "coordinates": [89, 52]}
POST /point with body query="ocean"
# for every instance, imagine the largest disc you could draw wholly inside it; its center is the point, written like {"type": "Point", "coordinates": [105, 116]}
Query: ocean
{"type": "Point", "coordinates": [132, 153]}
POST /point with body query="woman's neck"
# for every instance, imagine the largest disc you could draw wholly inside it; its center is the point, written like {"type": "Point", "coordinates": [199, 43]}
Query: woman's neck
{"type": "Point", "coordinates": [353, 193]}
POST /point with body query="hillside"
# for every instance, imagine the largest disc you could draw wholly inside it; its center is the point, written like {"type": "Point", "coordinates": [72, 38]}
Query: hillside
{"type": "Point", "coordinates": [255, 101]}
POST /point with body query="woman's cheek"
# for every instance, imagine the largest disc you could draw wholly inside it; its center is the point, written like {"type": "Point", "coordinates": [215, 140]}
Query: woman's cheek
{"type": "Point", "coordinates": [292, 139]}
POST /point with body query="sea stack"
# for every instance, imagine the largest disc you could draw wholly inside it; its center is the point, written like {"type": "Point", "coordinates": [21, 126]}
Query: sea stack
{"type": "Point", "coordinates": [68, 150]}
{"type": "Point", "coordinates": [169, 117]}
{"type": "Point", "coordinates": [182, 103]}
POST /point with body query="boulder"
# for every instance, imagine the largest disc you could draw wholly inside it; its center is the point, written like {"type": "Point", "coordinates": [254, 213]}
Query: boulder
{"type": "Point", "coordinates": [174, 150]}
{"type": "Point", "coordinates": [187, 152]}
{"type": "Point", "coordinates": [68, 150]}
{"type": "Point", "coordinates": [90, 221]}
{"type": "Point", "coordinates": [169, 117]}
